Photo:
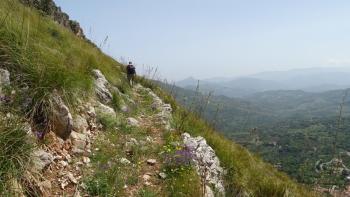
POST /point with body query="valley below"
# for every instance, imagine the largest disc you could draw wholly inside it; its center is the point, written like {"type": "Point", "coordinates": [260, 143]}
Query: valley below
{"type": "Point", "coordinates": [302, 133]}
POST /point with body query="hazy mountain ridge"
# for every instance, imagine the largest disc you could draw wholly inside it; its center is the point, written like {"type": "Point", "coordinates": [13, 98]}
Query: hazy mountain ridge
{"type": "Point", "coordinates": [309, 80]}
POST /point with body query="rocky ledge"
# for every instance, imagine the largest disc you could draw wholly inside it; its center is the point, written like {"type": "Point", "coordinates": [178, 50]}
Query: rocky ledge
{"type": "Point", "coordinates": [207, 165]}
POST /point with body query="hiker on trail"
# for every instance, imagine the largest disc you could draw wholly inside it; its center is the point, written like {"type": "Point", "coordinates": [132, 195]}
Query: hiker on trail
{"type": "Point", "coordinates": [131, 72]}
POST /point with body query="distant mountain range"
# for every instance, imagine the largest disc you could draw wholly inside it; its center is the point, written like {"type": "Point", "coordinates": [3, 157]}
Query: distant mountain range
{"type": "Point", "coordinates": [309, 80]}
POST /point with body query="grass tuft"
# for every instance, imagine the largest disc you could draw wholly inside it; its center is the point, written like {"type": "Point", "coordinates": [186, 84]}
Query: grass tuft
{"type": "Point", "coordinates": [15, 150]}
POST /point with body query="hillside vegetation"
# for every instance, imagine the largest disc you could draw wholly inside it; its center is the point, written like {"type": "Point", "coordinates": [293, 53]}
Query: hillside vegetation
{"type": "Point", "coordinates": [123, 141]}
{"type": "Point", "coordinates": [296, 131]}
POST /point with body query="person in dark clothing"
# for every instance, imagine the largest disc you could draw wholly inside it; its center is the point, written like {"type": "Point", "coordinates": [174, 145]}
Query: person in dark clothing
{"type": "Point", "coordinates": [131, 72]}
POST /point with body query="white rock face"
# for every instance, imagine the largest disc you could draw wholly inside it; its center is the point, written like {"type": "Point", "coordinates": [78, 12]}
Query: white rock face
{"type": "Point", "coordinates": [101, 84]}
{"type": "Point", "coordinates": [206, 162]}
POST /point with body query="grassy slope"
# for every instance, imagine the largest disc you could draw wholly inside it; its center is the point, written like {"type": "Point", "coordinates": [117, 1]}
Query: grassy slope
{"type": "Point", "coordinates": [47, 56]}
{"type": "Point", "coordinates": [246, 173]}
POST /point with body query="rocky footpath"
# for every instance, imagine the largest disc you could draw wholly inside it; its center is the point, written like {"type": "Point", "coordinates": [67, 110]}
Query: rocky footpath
{"type": "Point", "coordinates": [57, 166]}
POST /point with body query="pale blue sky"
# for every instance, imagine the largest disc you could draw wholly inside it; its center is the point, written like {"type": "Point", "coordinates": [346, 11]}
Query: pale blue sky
{"type": "Point", "coordinates": [209, 38]}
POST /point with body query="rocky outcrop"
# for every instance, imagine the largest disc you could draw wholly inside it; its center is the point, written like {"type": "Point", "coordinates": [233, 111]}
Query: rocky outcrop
{"type": "Point", "coordinates": [101, 86]}
{"type": "Point", "coordinates": [62, 121]}
{"type": "Point", "coordinates": [207, 164]}
{"type": "Point", "coordinates": [49, 8]}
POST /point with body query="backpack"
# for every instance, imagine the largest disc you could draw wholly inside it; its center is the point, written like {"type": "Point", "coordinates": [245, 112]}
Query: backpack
{"type": "Point", "coordinates": [131, 69]}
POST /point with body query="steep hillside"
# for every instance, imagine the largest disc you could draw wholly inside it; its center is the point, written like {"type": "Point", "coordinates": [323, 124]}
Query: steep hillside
{"type": "Point", "coordinates": [296, 131]}
{"type": "Point", "coordinates": [71, 125]}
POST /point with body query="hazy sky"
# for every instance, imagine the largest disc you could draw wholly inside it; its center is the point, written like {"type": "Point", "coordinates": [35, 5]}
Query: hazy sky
{"type": "Point", "coordinates": [209, 38]}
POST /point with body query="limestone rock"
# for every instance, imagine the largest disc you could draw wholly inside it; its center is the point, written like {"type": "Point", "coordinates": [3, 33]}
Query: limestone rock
{"type": "Point", "coordinates": [146, 177]}
{"type": "Point", "coordinates": [105, 110]}
{"type": "Point", "coordinates": [42, 159]}
{"type": "Point", "coordinates": [71, 177]}
{"type": "Point", "coordinates": [86, 160]}
{"type": "Point", "coordinates": [4, 79]}
{"type": "Point", "coordinates": [133, 122]}
{"type": "Point", "coordinates": [124, 108]}
{"type": "Point", "coordinates": [162, 175]}
{"type": "Point", "coordinates": [101, 89]}
{"type": "Point", "coordinates": [124, 161]}
{"type": "Point", "coordinates": [62, 121]}
{"type": "Point", "coordinates": [206, 162]}
{"type": "Point", "coordinates": [80, 124]}
{"type": "Point", "coordinates": [151, 162]}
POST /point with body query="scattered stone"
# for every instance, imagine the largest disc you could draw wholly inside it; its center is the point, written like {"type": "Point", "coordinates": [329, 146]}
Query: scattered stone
{"type": "Point", "coordinates": [86, 160]}
{"type": "Point", "coordinates": [147, 183]}
{"type": "Point", "coordinates": [151, 162]}
{"type": "Point", "coordinates": [77, 151]}
{"type": "Point", "coordinates": [42, 159]}
{"type": "Point", "coordinates": [162, 175]}
{"type": "Point", "coordinates": [124, 108]}
{"type": "Point", "coordinates": [63, 163]}
{"type": "Point", "coordinates": [149, 139]}
{"type": "Point", "coordinates": [45, 184]}
{"type": "Point", "coordinates": [134, 141]}
{"type": "Point", "coordinates": [146, 177]}
{"type": "Point", "coordinates": [133, 122]}
{"type": "Point", "coordinates": [72, 178]}
{"type": "Point", "coordinates": [78, 136]}
{"type": "Point", "coordinates": [91, 112]}
{"type": "Point", "coordinates": [124, 161]}
{"type": "Point", "coordinates": [80, 124]}
{"type": "Point", "coordinates": [64, 184]}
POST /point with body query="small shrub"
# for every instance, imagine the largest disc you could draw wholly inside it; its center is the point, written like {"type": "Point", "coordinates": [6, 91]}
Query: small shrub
{"type": "Point", "coordinates": [108, 122]}
{"type": "Point", "coordinates": [116, 101]}
{"type": "Point", "coordinates": [97, 186]}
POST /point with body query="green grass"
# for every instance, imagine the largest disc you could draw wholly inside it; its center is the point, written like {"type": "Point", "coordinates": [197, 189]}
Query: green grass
{"type": "Point", "coordinates": [44, 56]}
{"type": "Point", "coordinates": [15, 150]}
